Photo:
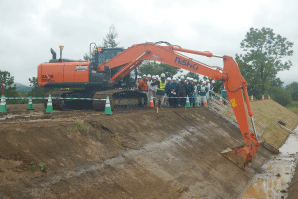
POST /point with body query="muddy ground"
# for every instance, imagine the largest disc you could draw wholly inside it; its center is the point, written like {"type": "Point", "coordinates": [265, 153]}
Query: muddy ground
{"type": "Point", "coordinates": [131, 154]}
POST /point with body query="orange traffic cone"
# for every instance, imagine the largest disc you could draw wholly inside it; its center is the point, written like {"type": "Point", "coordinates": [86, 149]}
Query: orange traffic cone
{"type": "Point", "coordinates": [220, 100]}
{"type": "Point", "coordinates": [151, 104]}
{"type": "Point", "coordinates": [262, 97]}
{"type": "Point", "coordinates": [205, 104]}
{"type": "Point", "coordinates": [268, 97]}
{"type": "Point", "coordinates": [252, 98]}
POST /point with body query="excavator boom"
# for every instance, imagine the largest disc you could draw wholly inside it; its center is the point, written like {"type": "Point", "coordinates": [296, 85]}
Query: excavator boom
{"type": "Point", "coordinates": [231, 76]}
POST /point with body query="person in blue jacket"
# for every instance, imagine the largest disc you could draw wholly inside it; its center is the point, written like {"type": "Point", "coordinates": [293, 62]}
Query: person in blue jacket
{"type": "Point", "coordinates": [174, 89]}
{"type": "Point", "coordinates": [223, 93]}
{"type": "Point", "coordinates": [203, 92]}
{"type": "Point", "coordinates": [190, 89]}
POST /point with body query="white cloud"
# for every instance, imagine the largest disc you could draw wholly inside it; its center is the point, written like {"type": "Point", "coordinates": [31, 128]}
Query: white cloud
{"type": "Point", "coordinates": [30, 28]}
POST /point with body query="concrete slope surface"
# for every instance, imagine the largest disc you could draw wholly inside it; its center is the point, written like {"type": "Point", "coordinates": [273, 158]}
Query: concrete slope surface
{"type": "Point", "coordinates": [172, 154]}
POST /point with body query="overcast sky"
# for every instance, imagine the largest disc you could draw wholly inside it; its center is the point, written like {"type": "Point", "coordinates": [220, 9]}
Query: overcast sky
{"type": "Point", "coordinates": [28, 29]}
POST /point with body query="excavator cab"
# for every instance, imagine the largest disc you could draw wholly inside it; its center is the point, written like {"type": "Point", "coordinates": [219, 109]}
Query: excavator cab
{"type": "Point", "coordinates": [108, 53]}
{"type": "Point", "coordinates": [102, 55]}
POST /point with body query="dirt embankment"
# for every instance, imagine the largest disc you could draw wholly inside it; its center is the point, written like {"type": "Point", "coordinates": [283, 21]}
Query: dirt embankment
{"type": "Point", "coordinates": [172, 154]}
{"type": "Point", "coordinates": [269, 112]}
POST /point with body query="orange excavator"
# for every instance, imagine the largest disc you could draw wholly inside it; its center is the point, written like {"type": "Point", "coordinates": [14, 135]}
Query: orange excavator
{"type": "Point", "coordinates": [109, 72]}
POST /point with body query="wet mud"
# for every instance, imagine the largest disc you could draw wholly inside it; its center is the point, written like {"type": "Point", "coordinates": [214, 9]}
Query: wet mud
{"type": "Point", "coordinates": [278, 173]}
{"type": "Point", "coordinates": [142, 154]}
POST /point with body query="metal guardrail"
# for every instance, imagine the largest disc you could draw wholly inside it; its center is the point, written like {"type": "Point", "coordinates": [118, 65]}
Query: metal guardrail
{"type": "Point", "coordinates": [226, 112]}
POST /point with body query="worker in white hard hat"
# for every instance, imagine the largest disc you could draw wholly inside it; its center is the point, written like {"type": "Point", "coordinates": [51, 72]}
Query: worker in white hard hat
{"type": "Point", "coordinates": [195, 93]}
{"type": "Point", "coordinates": [150, 92]}
{"type": "Point", "coordinates": [138, 80]}
{"type": "Point", "coordinates": [203, 92]}
{"type": "Point", "coordinates": [154, 88]}
{"type": "Point", "coordinates": [182, 89]}
{"type": "Point", "coordinates": [190, 90]}
{"type": "Point", "coordinates": [208, 85]}
{"type": "Point", "coordinates": [143, 87]}
{"type": "Point", "coordinates": [174, 93]}
{"type": "Point", "coordinates": [167, 90]}
{"type": "Point", "coordinates": [211, 91]}
{"type": "Point", "coordinates": [160, 94]}
{"type": "Point", "coordinates": [223, 93]}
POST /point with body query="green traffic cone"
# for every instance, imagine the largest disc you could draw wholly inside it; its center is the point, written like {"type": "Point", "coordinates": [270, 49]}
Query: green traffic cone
{"type": "Point", "coordinates": [30, 105]}
{"type": "Point", "coordinates": [2, 105]}
{"type": "Point", "coordinates": [187, 102]}
{"type": "Point", "coordinates": [197, 101]}
{"type": "Point", "coordinates": [108, 110]}
{"type": "Point", "coordinates": [49, 105]}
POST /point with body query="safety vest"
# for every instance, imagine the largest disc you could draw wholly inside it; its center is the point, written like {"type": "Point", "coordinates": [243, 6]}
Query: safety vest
{"type": "Point", "coordinates": [162, 85]}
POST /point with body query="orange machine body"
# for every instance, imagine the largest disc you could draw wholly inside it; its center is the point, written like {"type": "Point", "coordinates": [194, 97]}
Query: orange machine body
{"type": "Point", "coordinates": [118, 66]}
{"type": "Point", "coordinates": [230, 75]}
{"type": "Point", "coordinates": [62, 72]}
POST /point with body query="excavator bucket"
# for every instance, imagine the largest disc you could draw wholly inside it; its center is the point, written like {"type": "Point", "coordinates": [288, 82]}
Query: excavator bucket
{"type": "Point", "coordinates": [240, 156]}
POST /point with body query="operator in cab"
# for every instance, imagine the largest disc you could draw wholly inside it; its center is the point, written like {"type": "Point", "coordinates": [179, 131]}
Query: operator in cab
{"type": "Point", "coordinates": [160, 94]}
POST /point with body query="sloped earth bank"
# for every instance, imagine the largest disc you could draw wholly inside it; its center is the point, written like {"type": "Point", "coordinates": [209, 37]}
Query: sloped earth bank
{"type": "Point", "coordinates": [142, 154]}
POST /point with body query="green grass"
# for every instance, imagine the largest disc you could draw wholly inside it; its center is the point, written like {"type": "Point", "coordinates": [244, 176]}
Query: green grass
{"type": "Point", "coordinates": [31, 167]}
{"type": "Point", "coordinates": [43, 166]}
{"type": "Point", "coordinates": [269, 112]}
{"type": "Point", "coordinates": [81, 126]}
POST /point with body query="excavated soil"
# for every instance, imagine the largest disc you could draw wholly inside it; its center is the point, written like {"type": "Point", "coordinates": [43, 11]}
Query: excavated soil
{"type": "Point", "coordinates": [131, 154]}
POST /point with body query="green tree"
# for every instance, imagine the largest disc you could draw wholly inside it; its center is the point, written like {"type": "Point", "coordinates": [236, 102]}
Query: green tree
{"type": "Point", "coordinates": [293, 88]}
{"type": "Point", "coordinates": [156, 68]}
{"type": "Point", "coordinates": [263, 59]}
{"type": "Point", "coordinates": [280, 95]}
{"type": "Point", "coordinates": [110, 40]}
{"type": "Point", "coordinates": [10, 89]}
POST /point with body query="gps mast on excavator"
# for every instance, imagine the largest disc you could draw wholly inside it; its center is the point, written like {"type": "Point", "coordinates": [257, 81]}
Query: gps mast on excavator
{"type": "Point", "coordinates": [108, 71]}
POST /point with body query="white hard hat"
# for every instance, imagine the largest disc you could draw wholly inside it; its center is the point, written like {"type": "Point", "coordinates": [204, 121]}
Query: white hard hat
{"type": "Point", "coordinates": [139, 77]}
{"type": "Point", "coordinates": [153, 77]}
{"type": "Point", "coordinates": [148, 75]}
{"type": "Point", "coordinates": [191, 79]}
{"type": "Point", "coordinates": [144, 75]}
{"type": "Point", "coordinates": [195, 80]}
{"type": "Point", "coordinates": [174, 78]}
{"type": "Point", "coordinates": [204, 82]}
{"type": "Point", "coordinates": [187, 78]}
{"type": "Point", "coordinates": [168, 78]}
{"type": "Point", "coordinates": [179, 80]}
{"type": "Point", "coordinates": [207, 80]}
{"type": "Point", "coordinates": [213, 81]}
{"type": "Point", "coordinates": [182, 77]}
{"type": "Point", "coordinates": [162, 75]}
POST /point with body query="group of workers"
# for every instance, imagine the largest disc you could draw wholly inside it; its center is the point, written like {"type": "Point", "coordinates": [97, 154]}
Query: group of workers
{"type": "Point", "coordinates": [176, 90]}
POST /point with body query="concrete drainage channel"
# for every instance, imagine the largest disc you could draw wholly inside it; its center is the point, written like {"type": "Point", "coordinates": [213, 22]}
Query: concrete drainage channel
{"type": "Point", "coordinates": [278, 172]}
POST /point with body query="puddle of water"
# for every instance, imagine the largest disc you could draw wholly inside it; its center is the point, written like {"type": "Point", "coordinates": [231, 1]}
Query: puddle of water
{"type": "Point", "coordinates": [279, 172]}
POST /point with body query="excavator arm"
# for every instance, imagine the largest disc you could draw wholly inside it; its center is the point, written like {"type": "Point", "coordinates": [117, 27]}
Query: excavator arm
{"type": "Point", "coordinates": [231, 76]}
